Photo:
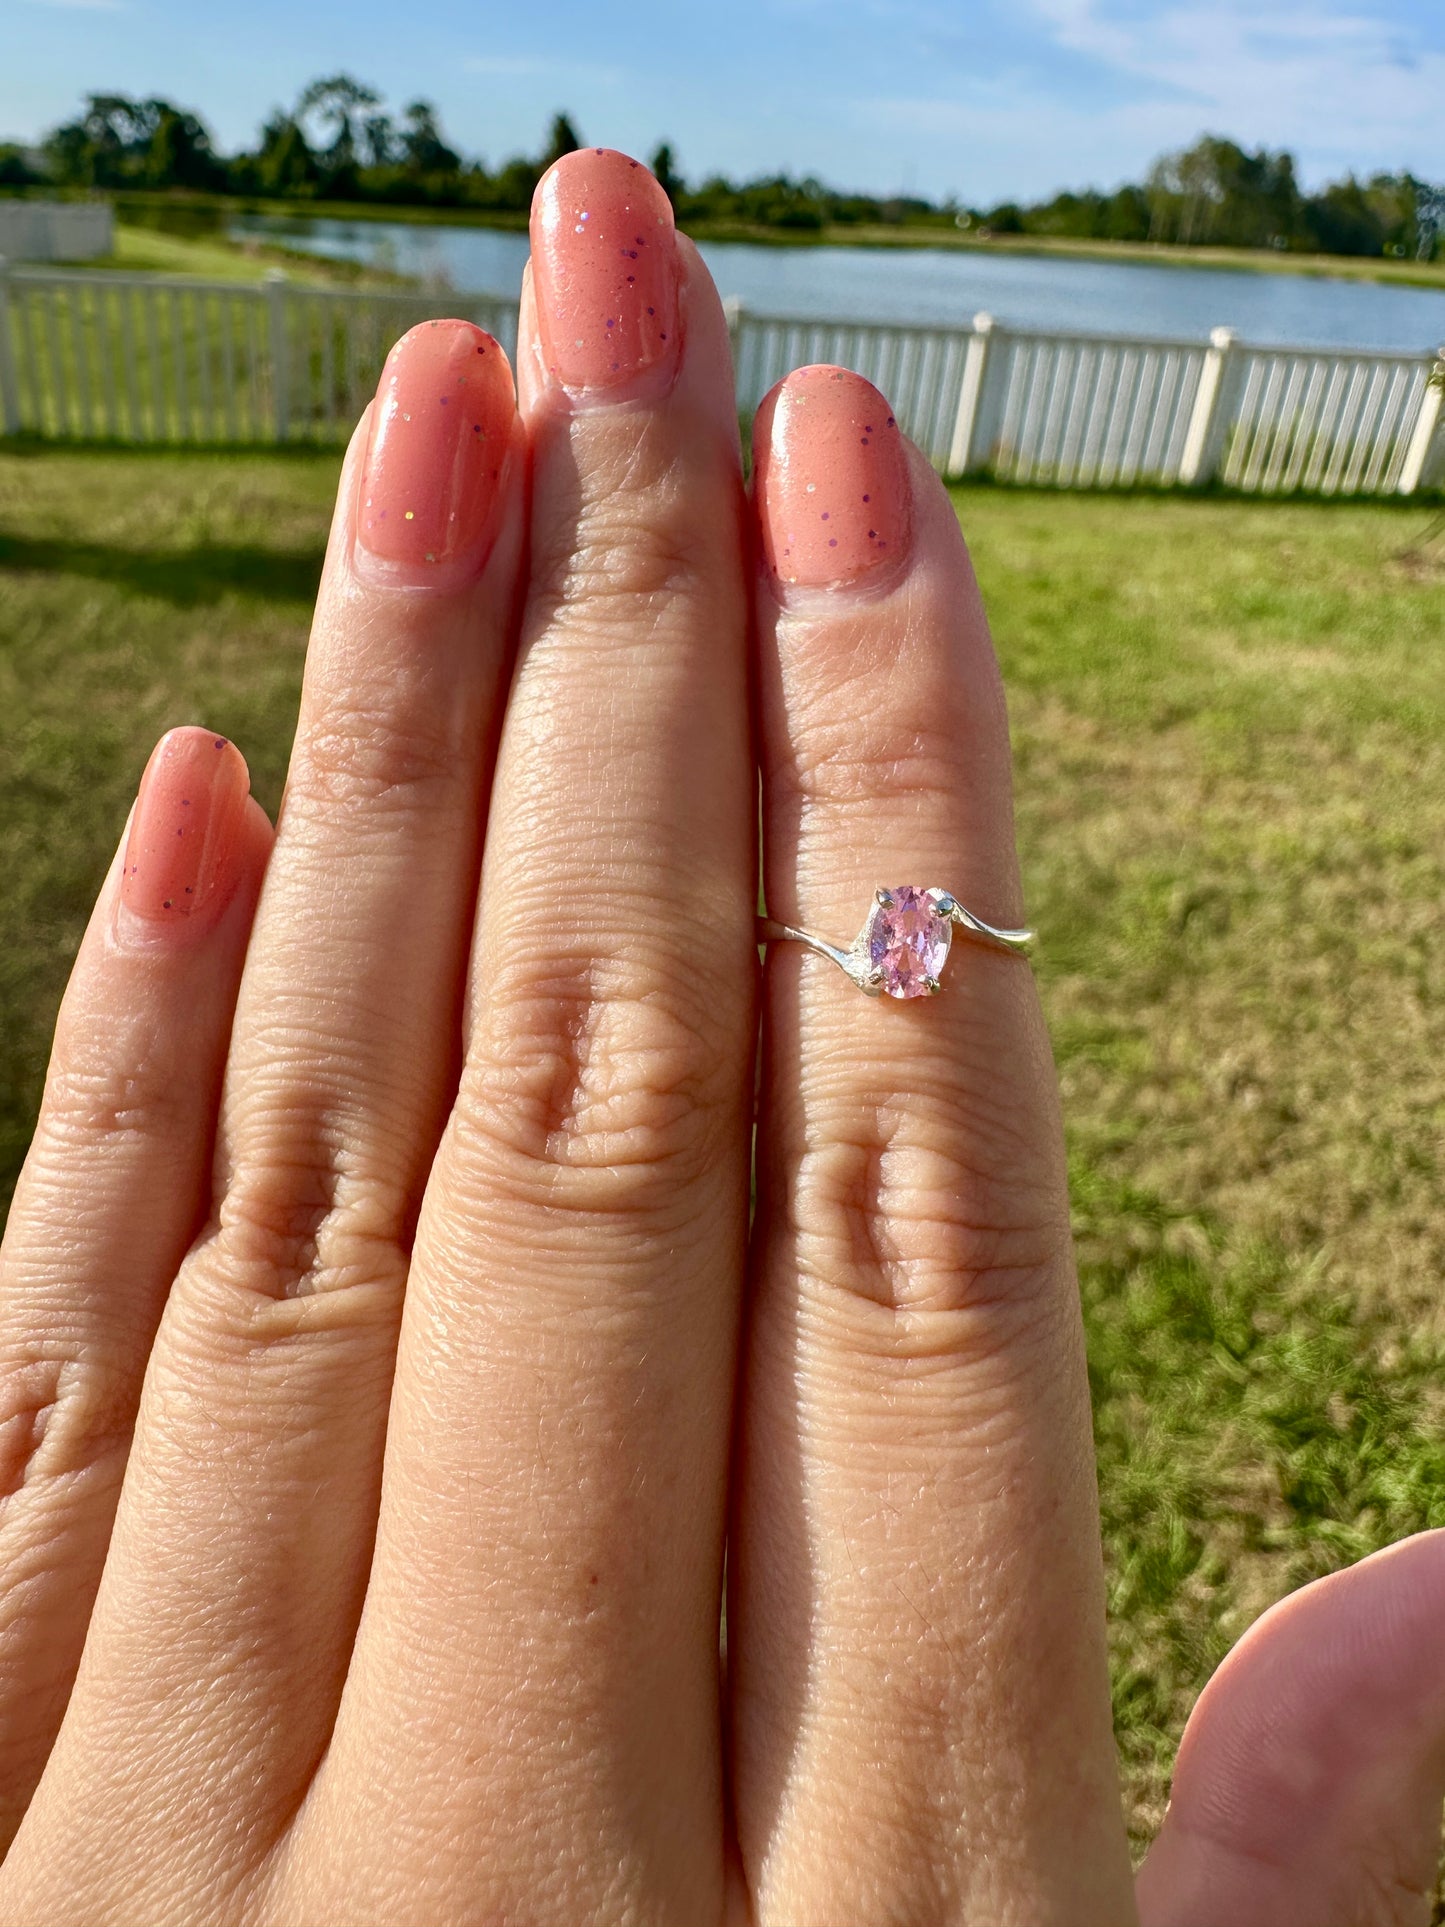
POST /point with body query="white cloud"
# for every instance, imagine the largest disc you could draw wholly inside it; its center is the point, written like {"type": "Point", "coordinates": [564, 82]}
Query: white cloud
{"type": "Point", "coordinates": [1320, 81]}
{"type": "Point", "coordinates": [1340, 89]}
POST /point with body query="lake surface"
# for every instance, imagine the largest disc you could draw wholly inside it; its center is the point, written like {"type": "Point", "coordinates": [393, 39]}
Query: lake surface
{"type": "Point", "coordinates": [937, 285]}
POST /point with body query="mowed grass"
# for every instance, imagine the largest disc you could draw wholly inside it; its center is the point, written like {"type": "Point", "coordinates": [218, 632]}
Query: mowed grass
{"type": "Point", "coordinates": [213, 257]}
{"type": "Point", "coordinates": [1231, 798]}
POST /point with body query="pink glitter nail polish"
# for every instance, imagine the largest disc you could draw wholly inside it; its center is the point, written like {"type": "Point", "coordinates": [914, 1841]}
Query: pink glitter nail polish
{"type": "Point", "coordinates": [831, 479]}
{"type": "Point", "coordinates": [441, 425]}
{"type": "Point", "coordinates": [184, 833]}
{"type": "Point", "coordinates": [604, 265]}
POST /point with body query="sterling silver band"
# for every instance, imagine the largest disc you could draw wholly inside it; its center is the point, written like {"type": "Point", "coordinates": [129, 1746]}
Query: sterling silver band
{"type": "Point", "coordinates": [903, 943]}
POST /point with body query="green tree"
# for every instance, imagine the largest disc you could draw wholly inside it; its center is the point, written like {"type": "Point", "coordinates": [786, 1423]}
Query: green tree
{"type": "Point", "coordinates": [67, 155]}
{"type": "Point", "coordinates": [563, 139]}
{"type": "Point", "coordinates": [664, 166]}
{"type": "Point", "coordinates": [15, 167]}
{"type": "Point", "coordinates": [1215, 191]}
{"type": "Point", "coordinates": [1125, 215]}
{"type": "Point", "coordinates": [1006, 218]}
{"type": "Point", "coordinates": [1343, 220]}
{"type": "Point", "coordinates": [91, 151]}
{"type": "Point", "coordinates": [513, 184]}
{"type": "Point", "coordinates": [425, 153]}
{"type": "Point", "coordinates": [379, 139]}
{"type": "Point", "coordinates": [178, 152]}
{"type": "Point", "coordinates": [285, 163]}
{"type": "Point", "coordinates": [119, 142]}
{"type": "Point", "coordinates": [338, 104]}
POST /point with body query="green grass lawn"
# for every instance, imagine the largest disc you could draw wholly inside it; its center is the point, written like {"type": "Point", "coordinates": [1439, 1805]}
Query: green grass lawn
{"type": "Point", "coordinates": [215, 258]}
{"type": "Point", "coordinates": [1230, 725]}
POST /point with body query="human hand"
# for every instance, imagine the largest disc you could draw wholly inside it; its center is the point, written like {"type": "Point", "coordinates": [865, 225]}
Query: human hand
{"type": "Point", "coordinates": [410, 1600]}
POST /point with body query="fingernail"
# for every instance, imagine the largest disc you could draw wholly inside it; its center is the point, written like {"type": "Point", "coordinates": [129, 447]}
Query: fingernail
{"type": "Point", "coordinates": [831, 480]}
{"type": "Point", "coordinates": [180, 854]}
{"type": "Point", "coordinates": [441, 425]}
{"type": "Point", "coordinates": [604, 267]}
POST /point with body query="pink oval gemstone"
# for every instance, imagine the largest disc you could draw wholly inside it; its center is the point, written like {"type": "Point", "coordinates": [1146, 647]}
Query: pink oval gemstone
{"type": "Point", "coordinates": [908, 941]}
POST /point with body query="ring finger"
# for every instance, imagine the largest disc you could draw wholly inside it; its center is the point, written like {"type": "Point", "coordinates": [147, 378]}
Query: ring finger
{"type": "Point", "coordinates": [920, 1701]}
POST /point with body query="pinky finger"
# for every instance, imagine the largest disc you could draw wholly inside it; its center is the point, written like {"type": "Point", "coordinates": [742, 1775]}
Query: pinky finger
{"type": "Point", "coordinates": [113, 1191]}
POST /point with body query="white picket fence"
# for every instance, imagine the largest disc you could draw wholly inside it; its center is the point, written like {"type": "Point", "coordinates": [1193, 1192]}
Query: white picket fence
{"type": "Point", "coordinates": [139, 358]}
{"type": "Point", "coordinates": [56, 230]}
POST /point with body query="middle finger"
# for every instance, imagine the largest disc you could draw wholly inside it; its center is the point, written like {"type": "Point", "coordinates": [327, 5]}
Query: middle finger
{"type": "Point", "coordinates": [552, 1513]}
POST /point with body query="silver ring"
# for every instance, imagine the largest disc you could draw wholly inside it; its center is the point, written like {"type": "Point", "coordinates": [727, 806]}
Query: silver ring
{"type": "Point", "coordinates": [904, 944]}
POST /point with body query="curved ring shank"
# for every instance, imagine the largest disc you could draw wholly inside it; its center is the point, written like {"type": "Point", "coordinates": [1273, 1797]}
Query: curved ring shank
{"type": "Point", "coordinates": [771, 932]}
{"type": "Point", "coordinates": [1016, 941]}
{"type": "Point", "coordinates": [854, 962]}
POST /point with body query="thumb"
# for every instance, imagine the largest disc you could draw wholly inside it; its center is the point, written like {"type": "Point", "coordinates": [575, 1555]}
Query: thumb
{"type": "Point", "coordinates": [1308, 1787]}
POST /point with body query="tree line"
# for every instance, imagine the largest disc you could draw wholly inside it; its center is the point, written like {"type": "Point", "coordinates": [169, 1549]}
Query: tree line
{"type": "Point", "coordinates": [1215, 193]}
{"type": "Point", "coordinates": [341, 142]}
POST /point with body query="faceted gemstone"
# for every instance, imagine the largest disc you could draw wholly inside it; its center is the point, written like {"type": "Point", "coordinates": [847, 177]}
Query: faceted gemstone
{"type": "Point", "coordinates": [908, 941]}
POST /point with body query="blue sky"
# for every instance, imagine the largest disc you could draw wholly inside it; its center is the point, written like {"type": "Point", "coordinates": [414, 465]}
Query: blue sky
{"type": "Point", "coordinates": [983, 98]}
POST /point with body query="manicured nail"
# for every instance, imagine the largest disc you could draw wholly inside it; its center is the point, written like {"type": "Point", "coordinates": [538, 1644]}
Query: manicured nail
{"type": "Point", "coordinates": [441, 425]}
{"type": "Point", "coordinates": [831, 479]}
{"type": "Point", "coordinates": [604, 268]}
{"type": "Point", "coordinates": [180, 854]}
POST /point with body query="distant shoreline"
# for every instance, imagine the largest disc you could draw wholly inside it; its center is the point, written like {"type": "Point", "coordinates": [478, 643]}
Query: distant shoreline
{"type": "Point", "coordinates": [165, 215]}
{"type": "Point", "coordinates": [921, 234]}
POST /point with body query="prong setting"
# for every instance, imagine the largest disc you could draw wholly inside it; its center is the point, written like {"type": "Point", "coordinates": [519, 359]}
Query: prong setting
{"type": "Point", "coordinates": [883, 898]}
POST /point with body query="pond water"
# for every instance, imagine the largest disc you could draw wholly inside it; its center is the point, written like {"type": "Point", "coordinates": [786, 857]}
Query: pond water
{"type": "Point", "coordinates": [937, 285]}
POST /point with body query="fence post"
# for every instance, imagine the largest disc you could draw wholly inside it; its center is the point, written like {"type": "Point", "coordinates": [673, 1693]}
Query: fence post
{"type": "Point", "coordinates": [1208, 424]}
{"type": "Point", "coordinates": [1414, 471]}
{"type": "Point", "coordinates": [733, 311]}
{"type": "Point", "coordinates": [9, 394]}
{"type": "Point", "coordinates": [275, 285]}
{"type": "Point", "coordinates": [963, 451]}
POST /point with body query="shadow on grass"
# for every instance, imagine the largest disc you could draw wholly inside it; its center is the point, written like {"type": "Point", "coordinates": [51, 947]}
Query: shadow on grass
{"type": "Point", "coordinates": [26, 445]}
{"type": "Point", "coordinates": [1220, 493]}
{"type": "Point", "coordinates": [186, 577]}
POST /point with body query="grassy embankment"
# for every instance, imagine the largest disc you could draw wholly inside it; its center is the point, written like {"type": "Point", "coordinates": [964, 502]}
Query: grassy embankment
{"type": "Point", "coordinates": [1349, 267]}
{"type": "Point", "coordinates": [1231, 784]}
{"type": "Point", "coordinates": [211, 257]}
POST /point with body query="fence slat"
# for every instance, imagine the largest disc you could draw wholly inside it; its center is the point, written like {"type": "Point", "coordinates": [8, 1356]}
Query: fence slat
{"type": "Point", "coordinates": [226, 326]}
{"type": "Point", "coordinates": [160, 412]}
{"type": "Point", "coordinates": [9, 385]}
{"type": "Point", "coordinates": [76, 337]}
{"type": "Point", "coordinates": [207, 306]}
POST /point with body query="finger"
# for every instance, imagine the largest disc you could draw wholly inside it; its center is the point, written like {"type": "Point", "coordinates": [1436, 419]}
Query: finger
{"type": "Point", "coordinates": [113, 1190]}
{"type": "Point", "coordinates": [1309, 1780]}
{"type": "Point", "coordinates": [244, 1532]}
{"type": "Point", "coordinates": [916, 1629]}
{"type": "Point", "coordinates": [552, 1522]}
